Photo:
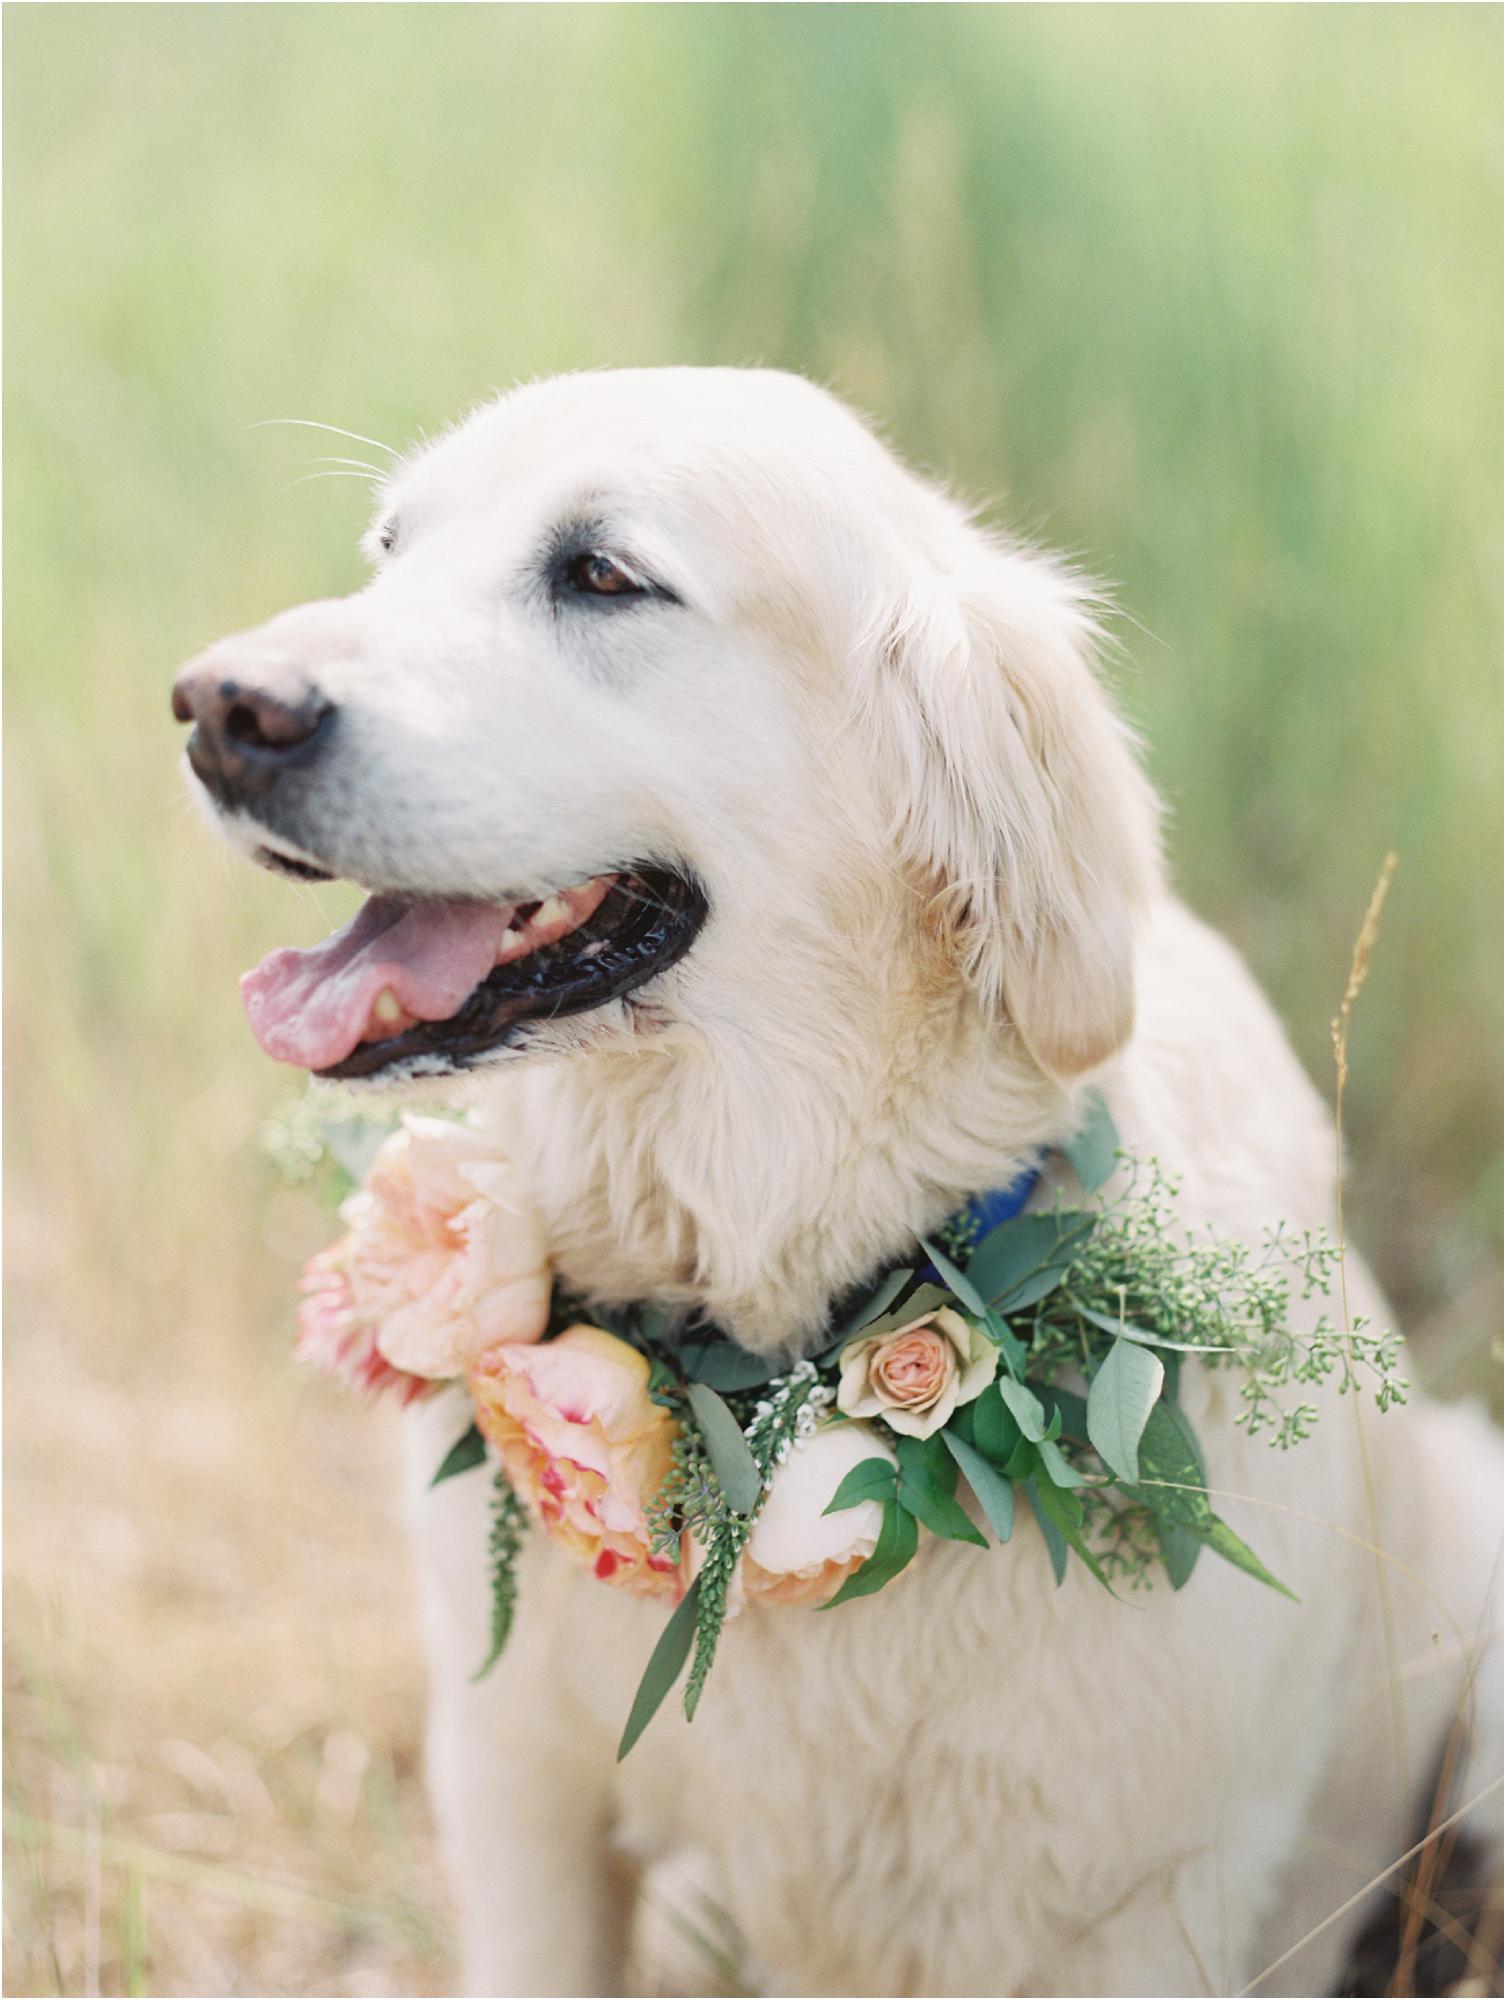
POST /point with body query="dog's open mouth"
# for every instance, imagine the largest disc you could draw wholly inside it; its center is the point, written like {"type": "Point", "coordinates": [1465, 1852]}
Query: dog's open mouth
{"type": "Point", "coordinates": [424, 986]}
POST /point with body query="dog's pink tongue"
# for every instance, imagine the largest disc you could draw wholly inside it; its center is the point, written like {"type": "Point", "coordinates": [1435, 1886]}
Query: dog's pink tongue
{"type": "Point", "coordinates": [313, 1007]}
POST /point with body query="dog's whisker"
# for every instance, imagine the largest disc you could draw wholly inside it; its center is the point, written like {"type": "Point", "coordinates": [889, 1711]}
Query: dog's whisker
{"type": "Point", "coordinates": [336, 430]}
{"type": "Point", "coordinates": [365, 465]}
{"type": "Point", "coordinates": [365, 477]}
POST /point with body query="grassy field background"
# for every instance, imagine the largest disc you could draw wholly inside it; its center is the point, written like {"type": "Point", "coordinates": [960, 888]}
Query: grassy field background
{"type": "Point", "coordinates": [1208, 296]}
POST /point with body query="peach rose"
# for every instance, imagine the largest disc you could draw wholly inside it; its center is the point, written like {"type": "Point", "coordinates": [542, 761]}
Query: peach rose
{"type": "Point", "coordinates": [585, 1447]}
{"type": "Point", "coordinates": [915, 1376]}
{"type": "Point", "coordinates": [445, 1255]}
{"type": "Point", "coordinates": [797, 1553]}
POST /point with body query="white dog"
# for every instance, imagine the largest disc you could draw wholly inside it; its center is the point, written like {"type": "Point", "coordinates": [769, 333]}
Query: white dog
{"type": "Point", "coordinates": [847, 884]}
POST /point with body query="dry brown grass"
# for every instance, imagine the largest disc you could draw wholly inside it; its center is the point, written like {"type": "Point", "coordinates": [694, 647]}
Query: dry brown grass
{"type": "Point", "coordinates": [213, 1714]}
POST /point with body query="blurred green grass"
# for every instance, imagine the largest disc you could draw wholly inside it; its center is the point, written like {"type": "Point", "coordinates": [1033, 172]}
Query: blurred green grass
{"type": "Point", "coordinates": [1208, 296]}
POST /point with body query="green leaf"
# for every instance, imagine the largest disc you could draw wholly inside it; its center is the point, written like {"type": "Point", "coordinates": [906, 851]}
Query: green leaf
{"type": "Point", "coordinates": [963, 1286]}
{"type": "Point", "coordinates": [504, 1544]}
{"type": "Point", "coordinates": [1056, 1541]}
{"type": "Point", "coordinates": [353, 1143]}
{"type": "Point", "coordinates": [1171, 1478]}
{"type": "Point", "coordinates": [924, 1299]}
{"type": "Point", "coordinates": [1030, 1291]}
{"type": "Point", "coordinates": [723, 1365]}
{"type": "Point", "coordinates": [1092, 1151]}
{"type": "Point", "coordinates": [1025, 1248]}
{"type": "Point", "coordinates": [663, 1670]}
{"type": "Point", "coordinates": [873, 1479]}
{"type": "Point", "coordinates": [733, 1463]}
{"type": "Point", "coordinates": [927, 1485]}
{"type": "Point", "coordinates": [1058, 1470]}
{"type": "Point", "coordinates": [1122, 1329]}
{"type": "Point", "coordinates": [1070, 1411]}
{"type": "Point", "coordinates": [1023, 1460]}
{"type": "Point", "coordinates": [1222, 1539]}
{"type": "Point", "coordinates": [1065, 1510]}
{"type": "Point", "coordinates": [469, 1449]}
{"type": "Point", "coordinates": [995, 1494]}
{"type": "Point", "coordinates": [1180, 1549]}
{"type": "Point", "coordinates": [877, 1301]}
{"type": "Point", "coordinates": [1169, 1453]}
{"type": "Point", "coordinates": [653, 1323]}
{"type": "Point", "coordinates": [1025, 1407]}
{"type": "Point", "coordinates": [1120, 1400]}
{"type": "Point", "coordinates": [898, 1540]}
{"type": "Point", "coordinates": [995, 1431]}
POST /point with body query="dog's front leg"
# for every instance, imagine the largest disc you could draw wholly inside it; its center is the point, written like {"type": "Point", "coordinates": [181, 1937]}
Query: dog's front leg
{"type": "Point", "coordinates": [519, 1773]}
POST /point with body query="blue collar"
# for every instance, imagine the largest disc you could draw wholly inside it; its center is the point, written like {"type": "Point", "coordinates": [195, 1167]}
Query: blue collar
{"type": "Point", "coordinates": [969, 1224]}
{"type": "Point", "coordinates": [982, 1212]}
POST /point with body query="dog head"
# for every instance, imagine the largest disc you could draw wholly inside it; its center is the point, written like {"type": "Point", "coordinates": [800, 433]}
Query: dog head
{"type": "Point", "coordinates": [671, 691]}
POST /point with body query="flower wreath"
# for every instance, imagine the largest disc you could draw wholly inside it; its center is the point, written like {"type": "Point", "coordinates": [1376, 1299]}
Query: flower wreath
{"type": "Point", "coordinates": [1037, 1355]}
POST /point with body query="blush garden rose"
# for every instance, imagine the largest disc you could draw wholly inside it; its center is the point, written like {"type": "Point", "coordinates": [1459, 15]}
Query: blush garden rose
{"type": "Point", "coordinates": [915, 1376]}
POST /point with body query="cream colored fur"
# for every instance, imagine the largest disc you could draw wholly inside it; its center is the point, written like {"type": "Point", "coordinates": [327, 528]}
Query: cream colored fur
{"type": "Point", "coordinates": [938, 915]}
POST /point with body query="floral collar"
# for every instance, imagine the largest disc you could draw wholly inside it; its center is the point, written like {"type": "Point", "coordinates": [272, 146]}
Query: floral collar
{"type": "Point", "coordinates": [1014, 1355]}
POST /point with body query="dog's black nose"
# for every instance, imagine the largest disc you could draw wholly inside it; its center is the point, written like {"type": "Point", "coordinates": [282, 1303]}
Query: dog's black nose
{"type": "Point", "coordinates": [246, 732]}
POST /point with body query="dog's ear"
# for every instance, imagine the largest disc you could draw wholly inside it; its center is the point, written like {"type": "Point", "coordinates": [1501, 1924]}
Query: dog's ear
{"type": "Point", "coordinates": [1026, 813]}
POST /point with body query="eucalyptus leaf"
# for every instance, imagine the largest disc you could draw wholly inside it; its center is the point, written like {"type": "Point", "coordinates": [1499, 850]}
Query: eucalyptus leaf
{"type": "Point", "coordinates": [654, 1323]}
{"type": "Point", "coordinates": [1065, 1510]}
{"type": "Point", "coordinates": [1058, 1470]}
{"type": "Point", "coordinates": [898, 1540]}
{"type": "Point", "coordinates": [733, 1463]}
{"type": "Point", "coordinates": [1024, 1248]}
{"type": "Point", "coordinates": [961, 1285]}
{"type": "Point", "coordinates": [1093, 1148]}
{"type": "Point", "coordinates": [1025, 1407]}
{"type": "Point", "coordinates": [1030, 1291]}
{"type": "Point", "coordinates": [725, 1366]}
{"type": "Point", "coordinates": [1180, 1549]}
{"type": "Point", "coordinates": [877, 1301]}
{"type": "Point", "coordinates": [665, 1664]}
{"type": "Point", "coordinates": [468, 1450]}
{"type": "Point", "coordinates": [873, 1479]}
{"type": "Point", "coordinates": [1122, 1329]}
{"type": "Point", "coordinates": [1056, 1541]}
{"type": "Point", "coordinates": [1120, 1400]}
{"type": "Point", "coordinates": [995, 1431]}
{"type": "Point", "coordinates": [995, 1494]}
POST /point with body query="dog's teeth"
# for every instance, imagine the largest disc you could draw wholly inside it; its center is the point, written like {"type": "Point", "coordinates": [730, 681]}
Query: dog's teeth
{"type": "Point", "coordinates": [553, 910]}
{"type": "Point", "coordinates": [388, 1009]}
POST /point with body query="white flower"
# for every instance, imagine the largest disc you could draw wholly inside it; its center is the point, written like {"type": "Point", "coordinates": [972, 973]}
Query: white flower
{"type": "Point", "coordinates": [798, 1554]}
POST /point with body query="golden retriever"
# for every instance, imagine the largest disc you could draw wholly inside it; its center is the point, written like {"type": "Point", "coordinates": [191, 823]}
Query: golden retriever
{"type": "Point", "coordinates": [853, 885]}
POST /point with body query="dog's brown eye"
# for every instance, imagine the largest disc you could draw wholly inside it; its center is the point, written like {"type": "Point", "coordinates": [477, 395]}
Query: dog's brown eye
{"type": "Point", "coordinates": [602, 576]}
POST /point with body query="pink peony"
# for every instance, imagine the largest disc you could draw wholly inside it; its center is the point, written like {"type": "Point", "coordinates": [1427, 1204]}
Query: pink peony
{"type": "Point", "coordinates": [585, 1446]}
{"type": "Point", "coordinates": [332, 1336]}
{"type": "Point", "coordinates": [444, 1258]}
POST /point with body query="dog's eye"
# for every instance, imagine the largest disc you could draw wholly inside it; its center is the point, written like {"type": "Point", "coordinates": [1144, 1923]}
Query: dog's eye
{"type": "Point", "coordinates": [387, 537]}
{"type": "Point", "coordinates": [596, 574]}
